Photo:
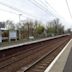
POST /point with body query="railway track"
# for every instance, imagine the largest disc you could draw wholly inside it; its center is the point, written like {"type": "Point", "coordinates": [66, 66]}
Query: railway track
{"type": "Point", "coordinates": [41, 64]}
{"type": "Point", "coordinates": [32, 55]}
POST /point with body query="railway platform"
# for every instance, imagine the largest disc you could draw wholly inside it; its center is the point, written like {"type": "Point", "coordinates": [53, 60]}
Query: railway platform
{"type": "Point", "coordinates": [63, 61]}
{"type": "Point", "coordinates": [20, 43]}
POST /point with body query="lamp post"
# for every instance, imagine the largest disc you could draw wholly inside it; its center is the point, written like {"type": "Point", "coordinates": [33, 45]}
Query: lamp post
{"type": "Point", "coordinates": [19, 27]}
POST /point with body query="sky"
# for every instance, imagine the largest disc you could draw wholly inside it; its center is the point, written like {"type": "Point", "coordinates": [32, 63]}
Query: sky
{"type": "Point", "coordinates": [42, 10]}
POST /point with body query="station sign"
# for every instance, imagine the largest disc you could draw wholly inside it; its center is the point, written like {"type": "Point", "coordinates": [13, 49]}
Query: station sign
{"type": "Point", "coordinates": [12, 34]}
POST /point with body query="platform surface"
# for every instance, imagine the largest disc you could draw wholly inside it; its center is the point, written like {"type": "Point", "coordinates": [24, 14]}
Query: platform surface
{"type": "Point", "coordinates": [68, 65]}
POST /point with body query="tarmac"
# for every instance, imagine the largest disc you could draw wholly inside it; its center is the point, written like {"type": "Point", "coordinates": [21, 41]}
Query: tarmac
{"type": "Point", "coordinates": [63, 61]}
{"type": "Point", "coordinates": [68, 65]}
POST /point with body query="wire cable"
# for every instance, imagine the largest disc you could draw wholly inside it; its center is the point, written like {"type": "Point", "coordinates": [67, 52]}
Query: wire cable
{"type": "Point", "coordinates": [54, 10]}
{"type": "Point", "coordinates": [68, 8]}
{"type": "Point", "coordinates": [16, 9]}
{"type": "Point", "coordinates": [41, 7]}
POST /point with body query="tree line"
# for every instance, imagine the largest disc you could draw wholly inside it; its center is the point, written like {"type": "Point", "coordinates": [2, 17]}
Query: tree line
{"type": "Point", "coordinates": [37, 29]}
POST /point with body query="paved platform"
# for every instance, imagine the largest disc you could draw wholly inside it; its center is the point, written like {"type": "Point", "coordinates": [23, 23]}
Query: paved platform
{"type": "Point", "coordinates": [68, 65]}
{"type": "Point", "coordinates": [63, 62]}
{"type": "Point", "coordinates": [26, 42]}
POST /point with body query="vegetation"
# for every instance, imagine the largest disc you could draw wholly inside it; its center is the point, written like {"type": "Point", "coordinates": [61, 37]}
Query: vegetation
{"type": "Point", "coordinates": [55, 28]}
{"type": "Point", "coordinates": [28, 28]}
{"type": "Point", "coordinates": [10, 25]}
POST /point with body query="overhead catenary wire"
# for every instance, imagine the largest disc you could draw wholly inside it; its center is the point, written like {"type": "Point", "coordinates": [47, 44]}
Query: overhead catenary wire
{"type": "Point", "coordinates": [41, 7]}
{"type": "Point", "coordinates": [11, 7]}
{"type": "Point", "coordinates": [18, 10]}
{"type": "Point", "coordinates": [68, 8]}
{"type": "Point", "coordinates": [55, 14]}
{"type": "Point", "coordinates": [11, 12]}
{"type": "Point", "coordinates": [50, 5]}
{"type": "Point", "coordinates": [61, 18]}
{"type": "Point", "coordinates": [44, 6]}
{"type": "Point", "coordinates": [8, 11]}
{"type": "Point", "coordinates": [37, 5]}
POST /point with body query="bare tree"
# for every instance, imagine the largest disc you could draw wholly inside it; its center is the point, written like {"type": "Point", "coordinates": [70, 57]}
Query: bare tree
{"type": "Point", "coordinates": [10, 25]}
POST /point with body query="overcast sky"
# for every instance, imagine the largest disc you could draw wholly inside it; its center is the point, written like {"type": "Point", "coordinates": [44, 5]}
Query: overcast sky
{"type": "Point", "coordinates": [43, 10]}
